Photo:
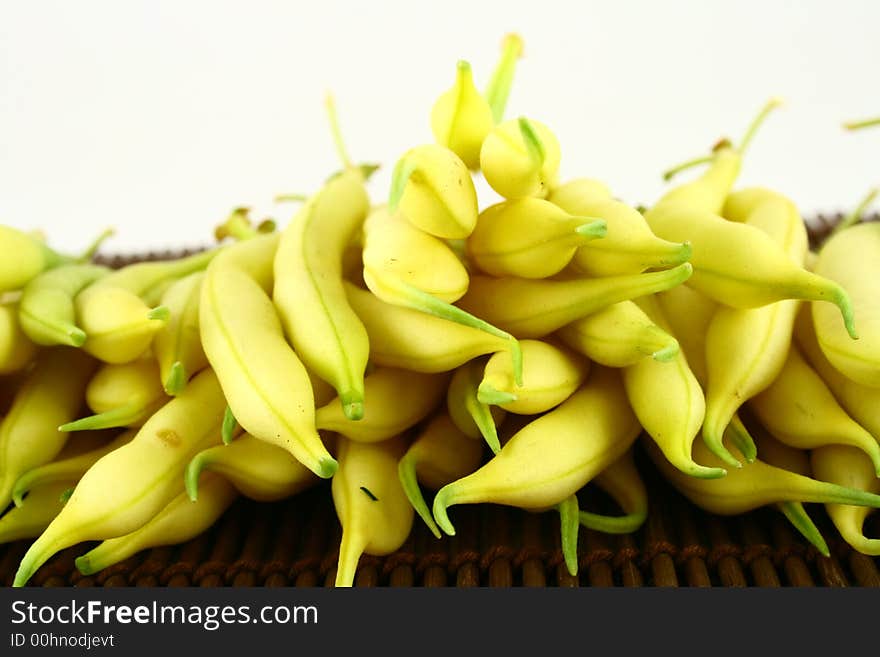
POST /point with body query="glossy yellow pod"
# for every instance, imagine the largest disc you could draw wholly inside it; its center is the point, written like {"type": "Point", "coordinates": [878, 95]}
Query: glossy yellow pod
{"type": "Point", "coordinates": [461, 117]}
{"type": "Point", "coordinates": [177, 346]}
{"type": "Point", "coordinates": [372, 507]}
{"type": "Point", "coordinates": [440, 454]}
{"type": "Point", "coordinates": [618, 336]}
{"type": "Point", "coordinates": [17, 350]}
{"type": "Point", "coordinates": [398, 400]}
{"type": "Point", "coordinates": [180, 521]}
{"type": "Point", "coordinates": [629, 245]}
{"type": "Point", "coordinates": [862, 403]}
{"type": "Point", "coordinates": [520, 157]}
{"type": "Point", "coordinates": [22, 257]}
{"type": "Point", "coordinates": [848, 466]}
{"type": "Point", "coordinates": [406, 267]}
{"type": "Point", "coordinates": [754, 485]}
{"type": "Point", "coordinates": [33, 515]}
{"type": "Point", "coordinates": [576, 194]}
{"type": "Point", "coordinates": [851, 258]}
{"type": "Point", "coordinates": [763, 205]}
{"type": "Point", "coordinates": [780, 455]}
{"type": "Point", "coordinates": [266, 385]}
{"type": "Point", "coordinates": [529, 238]}
{"type": "Point", "coordinates": [432, 188]}
{"type": "Point", "coordinates": [124, 489]}
{"type": "Point", "coordinates": [553, 456]}
{"type": "Point", "coordinates": [120, 312]}
{"type": "Point", "coordinates": [551, 374]}
{"type": "Point", "coordinates": [669, 403]}
{"type": "Point", "coordinates": [259, 470]}
{"type": "Point", "coordinates": [397, 254]}
{"type": "Point", "coordinates": [746, 348]}
{"type": "Point", "coordinates": [470, 416]}
{"type": "Point", "coordinates": [688, 313]}
{"type": "Point", "coordinates": [708, 191]}
{"type": "Point", "coordinates": [50, 395]}
{"type": "Point", "coordinates": [740, 265]}
{"type": "Point", "coordinates": [332, 342]}
{"type": "Point", "coordinates": [800, 410]}
{"type": "Point", "coordinates": [67, 467]}
{"type": "Point", "coordinates": [47, 313]}
{"type": "Point", "coordinates": [123, 395]}
{"type": "Point", "coordinates": [535, 308]}
{"type": "Point", "coordinates": [410, 339]}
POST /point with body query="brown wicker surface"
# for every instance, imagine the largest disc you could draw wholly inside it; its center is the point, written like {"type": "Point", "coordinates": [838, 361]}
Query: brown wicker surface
{"type": "Point", "coordinates": [295, 543]}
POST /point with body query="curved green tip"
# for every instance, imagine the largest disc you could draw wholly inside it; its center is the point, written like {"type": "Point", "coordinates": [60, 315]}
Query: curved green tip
{"type": "Point", "coordinates": [413, 297]}
{"type": "Point", "coordinates": [668, 352]}
{"type": "Point", "coordinates": [801, 521]}
{"type": "Point", "coordinates": [516, 357]}
{"type": "Point", "coordinates": [625, 524]}
{"type": "Point", "coordinates": [595, 229]}
{"type": "Point", "coordinates": [227, 429]}
{"type": "Point", "coordinates": [533, 142]}
{"type": "Point", "coordinates": [354, 411]}
{"type": "Point", "coordinates": [836, 494]}
{"type": "Point", "coordinates": [768, 107]}
{"type": "Point", "coordinates": [855, 216]}
{"type": "Point", "coordinates": [82, 424]}
{"type": "Point", "coordinates": [327, 467]}
{"type": "Point", "coordinates": [441, 503]}
{"type": "Point", "coordinates": [176, 381]}
{"type": "Point", "coordinates": [861, 123]}
{"type": "Point", "coordinates": [291, 197]}
{"type": "Point", "coordinates": [487, 394]}
{"type": "Point", "coordinates": [498, 89]}
{"type": "Point", "coordinates": [117, 417]}
{"type": "Point", "coordinates": [713, 442]}
{"type": "Point", "coordinates": [671, 172]}
{"type": "Point", "coordinates": [740, 437]}
{"type": "Point", "coordinates": [569, 525]}
{"type": "Point", "coordinates": [191, 476]}
{"type": "Point", "coordinates": [92, 248]}
{"type": "Point", "coordinates": [699, 471]}
{"type": "Point", "coordinates": [873, 451]}
{"type": "Point", "coordinates": [21, 487]}
{"type": "Point", "coordinates": [352, 405]}
{"type": "Point", "coordinates": [403, 171]}
{"type": "Point", "coordinates": [159, 312]}
{"type": "Point", "coordinates": [842, 301]}
{"type": "Point", "coordinates": [84, 565]}
{"type": "Point", "coordinates": [481, 414]}
{"type": "Point", "coordinates": [18, 496]}
{"type": "Point", "coordinates": [406, 471]}
{"type": "Point", "coordinates": [39, 553]}
{"type": "Point", "coordinates": [77, 336]}
{"type": "Point", "coordinates": [685, 251]}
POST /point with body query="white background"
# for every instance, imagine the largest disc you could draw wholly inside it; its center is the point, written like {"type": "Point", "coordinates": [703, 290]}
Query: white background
{"type": "Point", "coordinates": [157, 117]}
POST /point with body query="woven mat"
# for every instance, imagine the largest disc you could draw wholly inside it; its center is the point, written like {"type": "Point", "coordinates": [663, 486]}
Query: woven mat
{"type": "Point", "coordinates": [296, 542]}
